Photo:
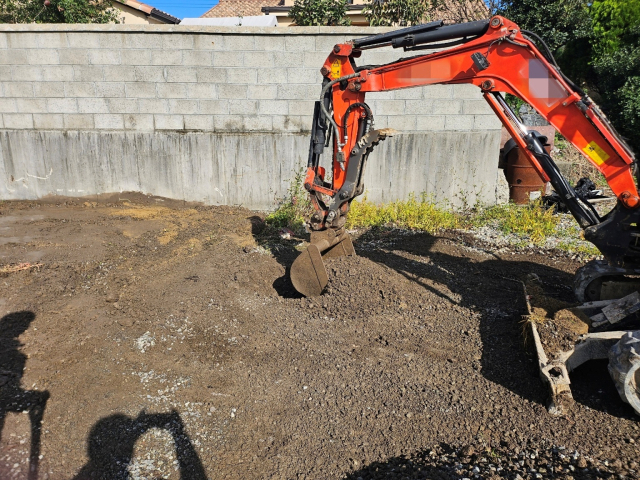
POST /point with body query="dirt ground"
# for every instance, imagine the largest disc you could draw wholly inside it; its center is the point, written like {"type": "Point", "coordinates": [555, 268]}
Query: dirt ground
{"type": "Point", "coordinates": [160, 340]}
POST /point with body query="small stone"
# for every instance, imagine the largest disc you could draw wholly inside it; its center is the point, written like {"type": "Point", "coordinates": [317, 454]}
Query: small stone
{"type": "Point", "coordinates": [582, 463]}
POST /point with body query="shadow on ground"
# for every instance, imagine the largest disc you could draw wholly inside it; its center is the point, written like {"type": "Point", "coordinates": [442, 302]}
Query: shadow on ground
{"type": "Point", "coordinates": [112, 440]}
{"type": "Point", "coordinates": [12, 397]}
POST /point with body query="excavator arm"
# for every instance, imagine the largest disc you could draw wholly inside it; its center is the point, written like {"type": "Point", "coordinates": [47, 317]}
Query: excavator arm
{"type": "Point", "coordinates": [496, 56]}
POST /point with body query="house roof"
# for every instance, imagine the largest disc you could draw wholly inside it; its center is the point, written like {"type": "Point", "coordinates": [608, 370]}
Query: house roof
{"type": "Point", "coordinates": [150, 11]}
{"type": "Point", "coordinates": [238, 8]}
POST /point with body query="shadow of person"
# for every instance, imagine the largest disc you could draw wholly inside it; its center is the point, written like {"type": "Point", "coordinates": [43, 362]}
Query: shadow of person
{"type": "Point", "coordinates": [112, 440]}
{"type": "Point", "coordinates": [12, 397]}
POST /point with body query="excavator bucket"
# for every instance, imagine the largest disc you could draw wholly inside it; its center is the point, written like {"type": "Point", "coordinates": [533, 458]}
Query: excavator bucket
{"type": "Point", "coordinates": [308, 273]}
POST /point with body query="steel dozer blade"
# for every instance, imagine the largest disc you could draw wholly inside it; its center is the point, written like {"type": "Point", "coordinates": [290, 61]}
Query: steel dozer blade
{"type": "Point", "coordinates": [308, 273]}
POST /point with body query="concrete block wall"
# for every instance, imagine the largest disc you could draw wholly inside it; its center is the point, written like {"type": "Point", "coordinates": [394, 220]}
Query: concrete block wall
{"type": "Point", "coordinates": [202, 80]}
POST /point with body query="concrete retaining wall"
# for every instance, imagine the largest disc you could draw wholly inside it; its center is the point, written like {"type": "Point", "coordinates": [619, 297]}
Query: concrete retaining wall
{"type": "Point", "coordinates": [183, 111]}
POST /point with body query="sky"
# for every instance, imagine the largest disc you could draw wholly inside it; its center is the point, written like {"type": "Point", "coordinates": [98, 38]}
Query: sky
{"type": "Point", "coordinates": [182, 8]}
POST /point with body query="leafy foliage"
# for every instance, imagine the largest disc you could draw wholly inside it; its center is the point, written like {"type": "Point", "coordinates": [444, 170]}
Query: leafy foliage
{"type": "Point", "coordinates": [58, 11]}
{"type": "Point", "coordinates": [382, 13]}
{"type": "Point", "coordinates": [308, 13]}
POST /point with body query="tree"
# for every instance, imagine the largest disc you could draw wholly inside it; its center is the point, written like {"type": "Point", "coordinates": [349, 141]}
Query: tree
{"type": "Point", "coordinates": [308, 13]}
{"type": "Point", "coordinates": [57, 11]}
{"type": "Point", "coordinates": [382, 13]}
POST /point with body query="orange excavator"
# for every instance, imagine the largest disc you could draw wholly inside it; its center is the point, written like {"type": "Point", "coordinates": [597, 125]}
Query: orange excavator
{"type": "Point", "coordinates": [498, 57]}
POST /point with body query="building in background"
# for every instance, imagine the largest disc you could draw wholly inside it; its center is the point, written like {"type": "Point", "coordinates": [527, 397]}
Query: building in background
{"type": "Point", "coordinates": [134, 12]}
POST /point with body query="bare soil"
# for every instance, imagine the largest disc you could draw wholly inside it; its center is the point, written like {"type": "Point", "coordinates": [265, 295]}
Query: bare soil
{"type": "Point", "coordinates": [163, 340]}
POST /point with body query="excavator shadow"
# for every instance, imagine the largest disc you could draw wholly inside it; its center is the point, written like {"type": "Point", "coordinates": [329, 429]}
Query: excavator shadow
{"type": "Point", "coordinates": [490, 285]}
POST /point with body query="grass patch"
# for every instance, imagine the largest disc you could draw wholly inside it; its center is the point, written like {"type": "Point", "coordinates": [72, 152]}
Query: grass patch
{"type": "Point", "coordinates": [533, 220]}
{"type": "Point", "coordinates": [415, 214]}
{"type": "Point", "coordinates": [294, 210]}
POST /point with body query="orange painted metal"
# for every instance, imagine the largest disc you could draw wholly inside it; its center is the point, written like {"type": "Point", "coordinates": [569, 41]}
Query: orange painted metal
{"type": "Point", "coordinates": [516, 67]}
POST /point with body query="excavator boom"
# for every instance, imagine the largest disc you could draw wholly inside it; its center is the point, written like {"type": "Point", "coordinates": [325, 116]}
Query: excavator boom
{"type": "Point", "coordinates": [498, 57]}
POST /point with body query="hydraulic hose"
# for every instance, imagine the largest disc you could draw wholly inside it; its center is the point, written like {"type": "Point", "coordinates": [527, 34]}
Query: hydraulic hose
{"type": "Point", "coordinates": [369, 116]}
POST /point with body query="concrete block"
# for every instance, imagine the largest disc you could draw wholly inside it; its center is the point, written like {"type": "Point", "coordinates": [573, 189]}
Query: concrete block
{"type": "Point", "coordinates": [208, 42]}
{"type": "Point", "coordinates": [228, 59]}
{"type": "Point", "coordinates": [403, 123]}
{"type": "Point", "coordinates": [202, 58]}
{"type": "Point", "coordinates": [258, 123]}
{"type": "Point", "coordinates": [9, 105]}
{"type": "Point", "coordinates": [112, 40]}
{"type": "Point", "coordinates": [298, 92]}
{"type": "Point", "coordinates": [198, 122]}
{"type": "Point", "coordinates": [238, 43]}
{"type": "Point", "coordinates": [243, 107]}
{"type": "Point", "coordinates": [258, 60]}
{"type": "Point", "coordinates": [476, 107]}
{"type": "Point", "coordinates": [312, 59]}
{"type": "Point", "coordinates": [64, 105]}
{"type": "Point", "coordinates": [274, 107]}
{"type": "Point", "coordinates": [378, 96]}
{"type": "Point", "coordinates": [153, 105]}
{"type": "Point", "coordinates": [149, 74]}
{"type": "Point", "coordinates": [47, 56]}
{"type": "Point", "coordinates": [291, 123]}
{"type": "Point", "coordinates": [232, 91]}
{"type": "Point", "coordinates": [408, 94]}
{"type": "Point", "coordinates": [242, 75]}
{"type": "Point", "coordinates": [300, 43]}
{"type": "Point", "coordinates": [79, 89]}
{"type": "Point", "coordinates": [147, 41]}
{"type": "Point", "coordinates": [52, 40]}
{"type": "Point", "coordinates": [172, 90]}
{"type": "Point", "coordinates": [183, 106]}
{"type": "Point", "coordinates": [181, 75]}
{"type": "Point", "coordinates": [135, 57]}
{"type": "Point", "coordinates": [138, 122]}
{"type": "Point", "coordinates": [83, 40]}
{"type": "Point", "coordinates": [458, 122]}
{"type": "Point", "coordinates": [449, 107]}
{"type": "Point", "coordinates": [326, 43]}
{"type": "Point", "coordinates": [22, 40]}
{"type": "Point", "coordinates": [13, 57]}
{"type": "Point", "coordinates": [260, 92]}
{"type": "Point", "coordinates": [48, 121]}
{"type": "Point", "coordinates": [214, 107]}
{"type": "Point", "coordinates": [5, 74]}
{"type": "Point", "coordinates": [3, 40]}
{"type": "Point", "coordinates": [25, 105]}
{"type": "Point", "coordinates": [430, 122]}
{"type": "Point", "coordinates": [109, 122]}
{"type": "Point", "coordinates": [73, 56]}
{"type": "Point", "coordinates": [302, 107]}
{"type": "Point", "coordinates": [48, 89]}
{"type": "Point", "coordinates": [110, 89]}
{"type": "Point", "coordinates": [466, 91]}
{"type": "Point", "coordinates": [288, 60]}
{"type": "Point", "coordinates": [166, 57]}
{"type": "Point", "coordinates": [169, 122]}
{"type": "Point", "coordinates": [486, 122]}
{"type": "Point", "coordinates": [438, 91]}
{"type": "Point", "coordinates": [26, 73]}
{"type": "Point", "coordinates": [211, 75]}
{"type": "Point", "coordinates": [17, 120]}
{"type": "Point", "coordinates": [270, 43]}
{"type": "Point", "coordinates": [304, 75]}
{"type": "Point", "coordinates": [84, 73]}
{"type": "Point", "coordinates": [58, 73]}
{"type": "Point", "coordinates": [141, 90]}
{"type": "Point", "coordinates": [205, 91]}
{"type": "Point", "coordinates": [390, 107]}
{"type": "Point", "coordinates": [104, 57]}
{"type": "Point", "coordinates": [119, 73]}
{"type": "Point", "coordinates": [122, 105]}
{"type": "Point", "coordinates": [271, 76]}
{"type": "Point", "coordinates": [419, 107]}
{"type": "Point", "coordinates": [18, 89]}
{"type": "Point", "coordinates": [177, 41]}
{"type": "Point", "coordinates": [78, 122]}
{"type": "Point", "coordinates": [93, 105]}
{"type": "Point", "coordinates": [228, 123]}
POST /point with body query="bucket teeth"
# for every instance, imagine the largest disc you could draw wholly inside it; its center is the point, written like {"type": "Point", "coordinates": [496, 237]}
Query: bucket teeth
{"type": "Point", "coordinates": [308, 273]}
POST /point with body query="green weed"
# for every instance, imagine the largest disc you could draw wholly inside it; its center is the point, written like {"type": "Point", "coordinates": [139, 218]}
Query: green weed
{"type": "Point", "coordinates": [294, 209]}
